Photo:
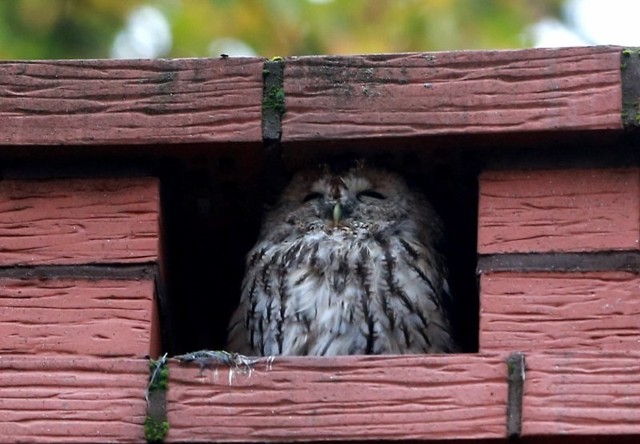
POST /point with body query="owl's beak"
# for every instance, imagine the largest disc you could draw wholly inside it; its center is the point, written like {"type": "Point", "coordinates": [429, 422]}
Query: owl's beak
{"type": "Point", "coordinates": [337, 214]}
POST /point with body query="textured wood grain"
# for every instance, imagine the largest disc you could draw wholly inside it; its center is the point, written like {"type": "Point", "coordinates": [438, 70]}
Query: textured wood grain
{"type": "Point", "coordinates": [294, 399]}
{"type": "Point", "coordinates": [75, 316]}
{"type": "Point", "coordinates": [560, 311]}
{"type": "Point", "coordinates": [72, 399]}
{"type": "Point", "coordinates": [79, 221]}
{"type": "Point", "coordinates": [400, 95]}
{"type": "Point", "coordinates": [130, 101]}
{"type": "Point", "coordinates": [559, 210]}
{"type": "Point", "coordinates": [582, 394]}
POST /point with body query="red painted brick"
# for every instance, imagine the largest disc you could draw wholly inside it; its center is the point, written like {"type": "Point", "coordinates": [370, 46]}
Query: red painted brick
{"type": "Point", "coordinates": [596, 311]}
{"type": "Point", "coordinates": [464, 92]}
{"type": "Point", "coordinates": [72, 400]}
{"type": "Point", "coordinates": [577, 393]}
{"type": "Point", "coordinates": [343, 398]}
{"type": "Point", "coordinates": [559, 210]}
{"type": "Point", "coordinates": [79, 221]}
{"type": "Point", "coordinates": [130, 102]}
{"type": "Point", "coordinates": [75, 316]}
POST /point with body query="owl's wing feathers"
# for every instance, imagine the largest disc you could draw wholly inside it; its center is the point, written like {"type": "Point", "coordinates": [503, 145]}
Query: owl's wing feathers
{"type": "Point", "coordinates": [253, 329]}
{"type": "Point", "coordinates": [422, 281]}
{"type": "Point", "coordinates": [277, 304]}
{"type": "Point", "coordinates": [410, 291]}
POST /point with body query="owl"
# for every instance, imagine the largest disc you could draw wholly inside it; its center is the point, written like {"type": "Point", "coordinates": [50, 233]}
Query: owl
{"type": "Point", "coordinates": [347, 262]}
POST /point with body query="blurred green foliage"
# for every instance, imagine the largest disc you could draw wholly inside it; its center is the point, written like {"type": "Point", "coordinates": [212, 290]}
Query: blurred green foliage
{"type": "Point", "coordinates": [36, 29]}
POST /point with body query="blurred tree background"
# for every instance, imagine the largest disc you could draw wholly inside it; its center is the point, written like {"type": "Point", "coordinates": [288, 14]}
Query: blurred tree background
{"type": "Point", "coordinates": [55, 29]}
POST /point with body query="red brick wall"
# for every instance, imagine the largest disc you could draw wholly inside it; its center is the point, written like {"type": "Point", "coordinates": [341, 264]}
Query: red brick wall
{"type": "Point", "coordinates": [78, 260]}
{"type": "Point", "coordinates": [558, 247]}
{"type": "Point", "coordinates": [559, 239]}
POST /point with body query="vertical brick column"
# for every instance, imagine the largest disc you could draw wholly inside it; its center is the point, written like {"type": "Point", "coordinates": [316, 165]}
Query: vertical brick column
{"type": "Point", "coordinates": [78, 263]}
{"type": "Point", "coordinates": [559, 259]}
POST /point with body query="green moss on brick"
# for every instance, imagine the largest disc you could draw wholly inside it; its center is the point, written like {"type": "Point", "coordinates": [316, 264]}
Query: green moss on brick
{"type": "Point", "coordinates": [159, 377]}
{"type": "Point", "coordinates": [155, 431]}
{"type": "Point", "coordinates": [274, 100]}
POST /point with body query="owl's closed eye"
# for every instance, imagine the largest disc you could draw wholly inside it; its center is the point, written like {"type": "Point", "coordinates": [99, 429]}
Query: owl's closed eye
{"type": "Point", "coordinates": [345, 263]}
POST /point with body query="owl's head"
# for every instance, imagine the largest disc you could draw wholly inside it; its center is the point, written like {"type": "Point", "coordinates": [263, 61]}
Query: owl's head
{"type": "Point", "coordinates": [362, 199]}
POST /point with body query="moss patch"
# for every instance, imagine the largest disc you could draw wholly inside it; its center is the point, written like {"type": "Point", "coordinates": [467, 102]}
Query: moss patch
{"type": "Point", "coordinates": [155, 430]}
{"type": "Point", "coordinates": [274, 100]}
{"type": "Point", "coordinates": [630, 71]}
{"type": "Point", "coordinates": [156, 425]}
{"type": "Point", "coordinates": [159, 377]}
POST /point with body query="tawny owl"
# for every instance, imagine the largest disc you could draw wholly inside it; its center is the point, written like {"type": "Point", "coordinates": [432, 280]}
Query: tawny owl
{"type": "Point", "coordinates": [346, 263]}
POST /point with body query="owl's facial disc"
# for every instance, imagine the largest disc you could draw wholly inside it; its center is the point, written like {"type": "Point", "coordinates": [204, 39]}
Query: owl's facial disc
{"type": "Point", "coordinates": [359, 199]}
{"type": "Point", "coordinates": [341, 201]}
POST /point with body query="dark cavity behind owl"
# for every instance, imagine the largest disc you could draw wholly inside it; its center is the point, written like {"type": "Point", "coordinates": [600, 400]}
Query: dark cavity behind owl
{"type": "Point", "coordinates": [345, 263]}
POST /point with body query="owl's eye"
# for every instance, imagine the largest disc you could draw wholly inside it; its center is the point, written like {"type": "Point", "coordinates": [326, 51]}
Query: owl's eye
{"type": "Point", "coordinates": [311, 196]}
{"type": "Point", "coordinates": [370, 193]}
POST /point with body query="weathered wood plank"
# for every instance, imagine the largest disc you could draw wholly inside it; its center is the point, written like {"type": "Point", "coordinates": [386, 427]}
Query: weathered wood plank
{"type": "Point", "coordinates": [559, 211]}
{"type": "Point", "coordinates": [92, 102]}
{"type": "Point", "coordinates": [559, 311]}
{"type": "Point", "coordinates": [79, 221]}
{"type": "Point", "coordinates": [487, 92]}
{"type": "Point", "coordinates": [582, 394]}
{"type": "Point", "coordinates": [77, 317]}
{"type": "Point", "coordinates": [357, 397]}
{"type": "Point", "coordinates": [67, 400]}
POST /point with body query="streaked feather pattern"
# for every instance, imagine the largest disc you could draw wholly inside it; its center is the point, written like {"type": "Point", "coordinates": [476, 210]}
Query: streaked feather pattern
{"type": "Point", "coordinates": [346, 263]}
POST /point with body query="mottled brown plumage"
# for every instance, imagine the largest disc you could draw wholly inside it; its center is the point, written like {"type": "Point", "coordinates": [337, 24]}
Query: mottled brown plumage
{"type": "Point", "coordinates": [345, 263]}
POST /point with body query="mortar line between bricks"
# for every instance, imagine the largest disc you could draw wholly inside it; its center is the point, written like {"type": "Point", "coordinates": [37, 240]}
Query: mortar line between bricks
{"type": "Point", "coordinates": [273, 108]}
{"type": "Point", "coordinates": [630, 79]}
{"type": "Point", "coordinates": [560, 262]}
{"type": "Point", "coordinates": [116, 271]}
{"type": "Point", "coordinates": [273, 100]}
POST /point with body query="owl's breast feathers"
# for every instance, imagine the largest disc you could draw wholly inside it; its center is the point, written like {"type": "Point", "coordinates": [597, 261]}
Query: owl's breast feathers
{"type": "Point", "coordinates": [343, 290]}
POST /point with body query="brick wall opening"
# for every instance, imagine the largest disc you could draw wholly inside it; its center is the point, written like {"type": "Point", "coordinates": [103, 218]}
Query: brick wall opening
{"type": "Point", "coordinates": [213, 205]}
